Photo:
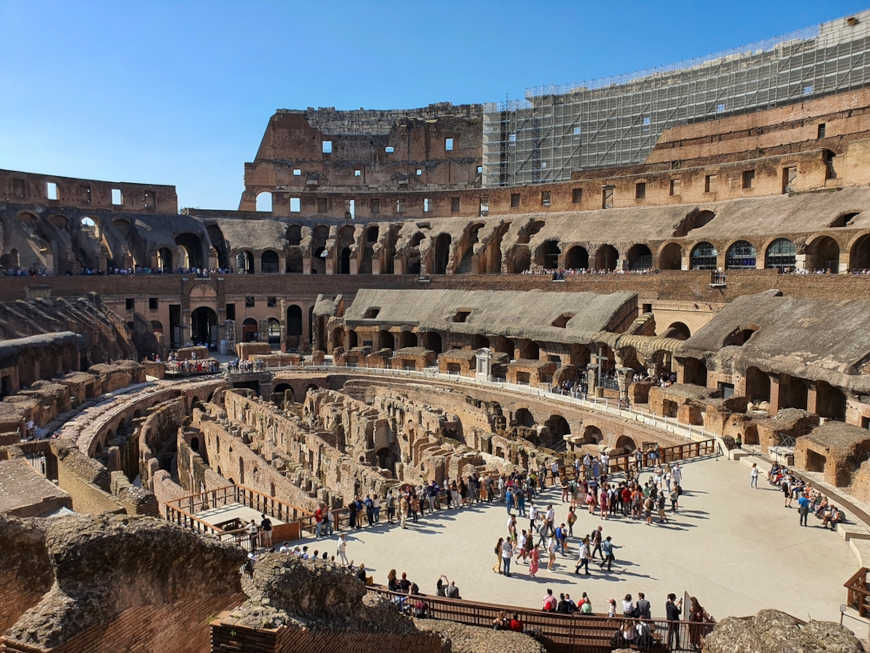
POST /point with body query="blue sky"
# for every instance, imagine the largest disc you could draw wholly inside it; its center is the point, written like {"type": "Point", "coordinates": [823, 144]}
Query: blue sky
{"type": "Point", "coordinates": [180, 92]}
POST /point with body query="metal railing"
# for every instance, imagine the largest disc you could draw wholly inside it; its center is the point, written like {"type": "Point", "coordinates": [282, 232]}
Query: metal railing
{"type": "Point", "coordinates": [579, 632]}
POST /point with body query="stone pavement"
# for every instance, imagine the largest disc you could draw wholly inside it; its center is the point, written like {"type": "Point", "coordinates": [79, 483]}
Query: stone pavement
{"type": "Point", "coordinates": [736, 548]}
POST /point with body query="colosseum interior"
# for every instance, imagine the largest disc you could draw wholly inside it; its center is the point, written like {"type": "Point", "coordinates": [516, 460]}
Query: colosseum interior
{"type": "Point", "coordinates": [395, 302]}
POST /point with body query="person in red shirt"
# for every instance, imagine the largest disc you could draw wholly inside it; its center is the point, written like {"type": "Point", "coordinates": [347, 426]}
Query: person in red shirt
{"type": "Point", "coordinates": [549, 602]}
{"type": "Point", "coordinates": [516, 625]}
{"type": "Point", "coordinates": [318, 521]}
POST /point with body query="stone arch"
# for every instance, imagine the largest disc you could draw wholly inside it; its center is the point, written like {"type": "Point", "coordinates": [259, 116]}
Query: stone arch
{"type": "Point", "coordinates": [520, 260]}
{"type": "Point", "coordinates": [319, 236]}
{"type": "Point", "coordinates": [780, 254]}
{"type": "Point", "coordinates": [557, 429]}
{"type": "Point", "coordinates": [441, 253]}
{"type": "Point", "coordinates": [678, 330]}
{"type": "Point", "coordinates": [156, 326]}
{"type": "Point", "coordinates": [216, 236]}
{"type": "Point", "coordinates": [412, 254]}
{"type": "Point", "coordinates": [592, 434]}
{"type": "Point", "coordinates": [432, 340]}
{"type": "Point", "coordinates": [193, 248]}
{"type": "Point", "coordinates": [407, 339]}
{"type": "Point", "coordinates": [273, 331]}
{"type": "Point", "coordinates": [823, 253]}
{"type": "Point", "coordinates": [703, 256]}
{"type": "Point", "coordinates": [479, 341]}
{"type": "Point", "coordinates": [524, 417]}
{"type": "Point", "coordinates": [859, 253]}
{"type": "Point", "coordinates": [469, 240]}
{"type": "Point", "coordinates": [344, 260]}
{"type": "Point", "coordinates": [352, 339]}
{"type": "Point", "coordinates": [577, 258]}
{"type": "Point", "coordinates": [203, 325]}
{"type": "Point", "coordinates": [164, 260]}
{"type": "Point", "coordinates": [370, 237]}
{"type": "Point", "coordinates": [671, 257]}
{"type": "Point", "coordinates": [245, 261]}
{"type": "Point", "coordinates": [740, 255]}
{"type": "Point", "coordinates": [249, 330]}
{"type": "Point", "coordinates": [294, 322]}
{"type": "Point", "coordinates": [606, 257]}
{"type": "Point", "coordinates": [757, 385]}
{"type": "Point", "coordinates": [529, 350]}
{"type": "Point", "coordinates": [387, 340]}
{"type": "Point", "coordinates": [269, 262]}
{"type": "Point", "coordinates": [264, 201]}
{"type": "Point", "coordinates": [547, 254]}
{"type": "Point", "coordinates": [625, 444]}
{"type": "Point", "coordinates": [294, 261]}
{"type": "Point", "coordinates": [639, 257]}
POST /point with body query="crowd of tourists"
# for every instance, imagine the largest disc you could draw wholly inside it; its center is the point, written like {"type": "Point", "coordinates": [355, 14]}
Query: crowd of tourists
{"type": "Point", "coordinates": [795, 490]}
{"type": "Point", "coordinates": [237, 365]}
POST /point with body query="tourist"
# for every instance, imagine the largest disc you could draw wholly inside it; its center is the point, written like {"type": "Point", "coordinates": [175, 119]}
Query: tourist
{"type": "Point", "coordinates": [534, 560]}
{"type": "Point", "coordinates": [628, 606]}
{"type": "Point", "coordinates": [549, 602]}
{"type": "Point", "coordinates": [361, 573]}
{"type": "Point", "coordinates": [583, 560]}
{"type": "Point", "coordinates": [501, 622]}
{"type": "Point", "coordinates": [515, 624]}
{"type": "Point", "coordinates": [393, 583]}
{"type": "Point", "coordinates": [329, 521]}
{"type": "Point", "coordinates": [498, 551]}
{"type": "Point", "coordinates": [507, 552]}
{"type": "Point", "coordinates": [660, 505]}
{"type": "Point", "coordinates": [551, 552]}
{"type": "Point", "coordinates": [351, 514]}
{"type": "Point", "coordinates": [391, 506]}
{"type": "Point", "coordinates": [642, 608]}
{"type": "Point", "coordinates": [753, 476]}
{"type": "Point", "coordinates": [252, 535]}
{"type": "Point", "coordinates": [607, 549]}
{"type": "Point", "coordinates": [265, 531]}
{"type": "Point", "coordinates": [611, 608]}
{"type": "Point", "coordinates": [404, 508]}
{"type": "Point", "coordinates": [318, 520]}
{"type": "Point", "coordinates": [803, 509]}
{"type": "Point", "coordinates": [596, 543]}
{"type": "Point", "coordinates": [370, 510]}
{"type": "Point", "coordinates": [563, 606]}
{"type": "Point", "coordinates": [341, 549]}
{"type": "Point", "coordinates": [673, 609]}
{"type": "Point", "coordinates": [376, 508]}
{"type": "Point", "coordinates": [585, 606]}
{"type": "Point", "coordinates": [697, 617]}
{"type": "Point", "coordinates": [452, 592]}
{"type": "Point", "coordinates": [572, 517]}
{"type": "Point", "coordinates": [625, 637]}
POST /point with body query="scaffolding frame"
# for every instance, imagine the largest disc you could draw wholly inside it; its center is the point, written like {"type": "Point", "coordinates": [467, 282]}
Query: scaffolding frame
{"type": "Point", "coordinates": [616, 121]}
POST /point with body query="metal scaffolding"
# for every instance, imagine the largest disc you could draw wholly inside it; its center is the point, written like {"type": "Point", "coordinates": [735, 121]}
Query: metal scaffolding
{"type": "Point", "coordinates": [616, 121]}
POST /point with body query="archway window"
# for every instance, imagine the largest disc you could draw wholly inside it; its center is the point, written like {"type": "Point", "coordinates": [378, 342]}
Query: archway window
{"type": "Point", "coordinates": [859, 257]}
{"type": "Point", "coordinates": [264, 201]}
{"type": "Point", "coordinates": [269, 262]}
{"type": "Point", "coordinates": [548, 255]}
{"type": "Point", "coordinates": [294, 320]}
{"type": "Point", "coordinates": [678, 330]}
{"type": "Point", "coordinates": [344, 261]}
{"type": "Point", "coordinates": [740, 256]}
{"type": "Point", "coordinates": [703, 257]}
{"type": "Point", "coordinates": [442, 254]}
{"type": "Point", "coordinates": [203, 326]}
{"type": "Point", "coordinates": [164, 259]}
{"type": "Point", "coordinates": [577, 258]}
{"type": "Point", "coordinates": [249, 330]}
{"type": "Point", "coordinates": [780, 254]}
{"type": "Point", "coordinates": [606, 257]}
{"type": "Point", "coordinates": [639, 258]}
{"type": "Point", "coordinates": [192, 246]}
{"type": "Point", "coordinates": [825, 254]}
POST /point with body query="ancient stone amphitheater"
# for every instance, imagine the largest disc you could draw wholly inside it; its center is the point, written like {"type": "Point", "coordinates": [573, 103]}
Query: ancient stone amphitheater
{"type": "Point", "coordinates": [396, 301]}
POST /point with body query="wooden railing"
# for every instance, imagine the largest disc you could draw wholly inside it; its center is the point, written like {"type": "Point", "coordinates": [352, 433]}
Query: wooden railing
{"type": "Point", "coordinates": [563, 632]}
{"type": "Point", "coordinates": [857, 593]}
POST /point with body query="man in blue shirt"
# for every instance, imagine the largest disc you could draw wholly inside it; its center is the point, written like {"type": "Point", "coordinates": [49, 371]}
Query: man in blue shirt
{"type": "Point", "coordinates": [803, 509]}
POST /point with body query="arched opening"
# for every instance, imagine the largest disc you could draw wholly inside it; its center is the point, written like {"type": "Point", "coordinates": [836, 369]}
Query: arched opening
{"type": "Point", "coordinates": [344, 261]}
{"type": "Point", "coordinates": [557, 429]}
{"type": "Point", "coordinates": [192, 246]}
{"type": "Point", "coordinates": [407, 339]}
{"type": "Point", "coordinates": [281, 394]}
{"type": "Point", "coordinates": [294, 262]}
{"type": "Point", "coordinates": [815, 461]}
{"type": "Point", "coordinates": [470, 238]}
{"type": "Point", "coordinates": [830, 401]}
{"type": "Point", "coordinates": [859, 255]}
{"type": "Point", "coordinates": [264, 201]}
{"type": "Point", "coordinates": [592, 434]}
{"type": "Point", "coordinates": [529, 350]}
{"type": "Point", "coordinates": [694, 220]}
{"type": "Point", "coordinates": [703, 257]}
{"type": "Point", "coordinates": [606, 257]}
{"type": "Point", "coordinates": [387, 340]}
{"type": "Point", "coordinates": [203, 326]}
{"type": "Point", "coordinates": [757, 385]}
{"type": "Point", "coordinates": [318, 249]}
{"type": "Point", "coordinates": [625, 444]}
{"type": "Point", "coordinates": [245, 262]}
{"type": "Point", "coordinates": [241, 471]}
{"type": "Point", "coordinates": [441, 254]}
{"type": "Point", "coordinates": [352, 339]}
{"type": "Point", "coordinates": [412, 254]}
{"type": "Point", "coordinates": [521, 260]}
{"type": "Point", "coordinates": [371, 237]}
{"type": "Point", "coordinates": [523, 417]}
{"type": "Point", "coordinates": [479, 341]}
{"type": "Point", "coordinates": [547, 254]}
{"type": "Point", "coordinates": [671, 257]}
{"type": "Point", "coordinates": [738, 337]}
{"type": "Point", "coordinates": [694, 372]}
{"type": "Point", "coordinates": [824, 255]}
{"type": "Point", "coordinates": [432, 341]}
{"type": "Point", "coordinates": [740, 256]}
{"type": "Point", "coordinates": [164, 260]}
{"type": "Point", "coordinates": [677, 330]}
{"type": "Point", "coordinates": [780, 254]}
{"type": "Point", "coordinates": [249, 330]}
{"type": "Point", "coordinates": [318, 261]}
{"type": "Point", "coordinates": [216, 236]}
{"type": "Point", "coordinates": [577, 258]}
{"type": "Point", "coordinates": [294, 326]}
{"type": "Point", "coordinates": [274, 332]}
{"type": "Point", "coordinates": [639, 258]}
{"type": "Point", "coordinates": [269, 262]}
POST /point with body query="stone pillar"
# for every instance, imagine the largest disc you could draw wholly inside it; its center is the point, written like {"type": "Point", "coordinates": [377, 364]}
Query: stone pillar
{"type": "Point", "coordinates": [306, 264]}
{"type": "Point", "coordinates": [800, 262]}
{"type": "Point", "coordinates": [812, 397]}
{"type": "Point", "coordinates": [484, 364]}
{"type": "Point", "coordinates": [376, 264]}
{"type": "Point", "coordinates": [591, 381]}
{"type": "Point", "coordinates": [624, 376]}
{"type": "Point", "coordinates": [775, 398]}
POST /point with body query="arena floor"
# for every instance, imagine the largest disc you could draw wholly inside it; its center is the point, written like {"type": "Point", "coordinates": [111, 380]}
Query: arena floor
{"type": "Point", "coordinates": [737, 549]}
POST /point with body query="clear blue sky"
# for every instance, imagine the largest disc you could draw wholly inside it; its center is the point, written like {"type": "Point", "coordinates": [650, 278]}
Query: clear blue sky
{"type": "Point", "coordinates": [180, 92]}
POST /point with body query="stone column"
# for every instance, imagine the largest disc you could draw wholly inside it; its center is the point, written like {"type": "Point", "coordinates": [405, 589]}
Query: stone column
{"type": "Point", "coordinates": [624, 376]}
{"type": "Point", "coordinates": [775, 398]}
{"type": "Point", "coordinates": [812, 397]}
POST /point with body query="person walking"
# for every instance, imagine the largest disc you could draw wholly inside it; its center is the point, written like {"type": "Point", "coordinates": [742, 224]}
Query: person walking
{"type": "Point", "coordinates": [753, 476]}
{"type": "Point", "coordinates": [551, 552]}
{"type": "Point", "coordinates": [607, 548]}
{"type": "Point", "coordinates": [497, 566]}
{"type": "Point", "coordinates": [341, 549]}
{"type": "Point", "coordinates": [572, 517]}
{"type": "Point", "coordinates": [318, 521]}
{"type": "Point", "coordinates": [534, 560]}
{"type": "Point", "coordinates": [252, 535]}
{"type": "Point", "coordinates": [803, 509]}
{"type": "Point", "coordinates": [507, 552]}
{"type": "Point", "coordinates": [391, 506]}
{"type": "Point", "coordinates": [583, 560]}
{"type": "Point", "coordinates": [596, 543]}
{"type": "Point", "coordinates": [403, 511]}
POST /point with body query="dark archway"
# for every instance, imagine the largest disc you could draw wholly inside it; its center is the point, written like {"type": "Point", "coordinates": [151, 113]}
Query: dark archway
{"type": "Point", "coordinates": [547, 254]}
{"type": "Point", "coordinates": [441, 254]}
{"type": "Point", "coordinates": [625, 444]}
{"type": "Point", "coordinates": [740, 256]}
{"type": "Point", "coordinates": [859, 255]}
{"type": "Point", "coordinates": [387, 340]}
{"type": "Point", "coordinates": [245, 262]}
{"type": "Point", "coordinates": [523, 417]}
{"type": "Point", "coordinates": [203, 326]}
{"type": "Point", "coordinates": [577, 258]}
{"type": "Point", "coordinates": [294, 326]}
{"type": "Point", "coordinates": [824, 255]}
{"type": "Point", "coordinates": [344, 261]}
{"type": "Point", "coordinates": [677, 330]}
{"type": "Point", "coordinates": [521, 260]}
{"type": "Point", "coordinates": [757, 385]}
{"type": "Point", "coordinates": [164, 260]}
{"type": "Point", "coordinates": [294, 262]}
{"type": "Point", "coordinates": [249, 330]}
{"type": "Point", "coordinates": [193, 247]}
{"type": "Point", "coordinates": [269, 262]}
{"type": "Point", "coordinates": [557, 429]}
{"type": "Point", "coordinates": [592, 434]}
{"type": "Point", "coordinates": [216, 236]}
{"type": "Point", "coordinates": [432, 341]}
{"type": "Point", "coordinates": [479, 341]}
{"type": "Point", "coordinates": [639, 258]}
{"type": "Point", "coordinates": [671, 257]}
{"type": "Point", "coordinates": [606, 257]}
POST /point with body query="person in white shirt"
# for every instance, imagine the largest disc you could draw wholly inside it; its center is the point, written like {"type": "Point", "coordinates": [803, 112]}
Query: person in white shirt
{"type": "Point", "coordinates": [341, 551]}
{"type": "Point", "coordinates": [753, 476]}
